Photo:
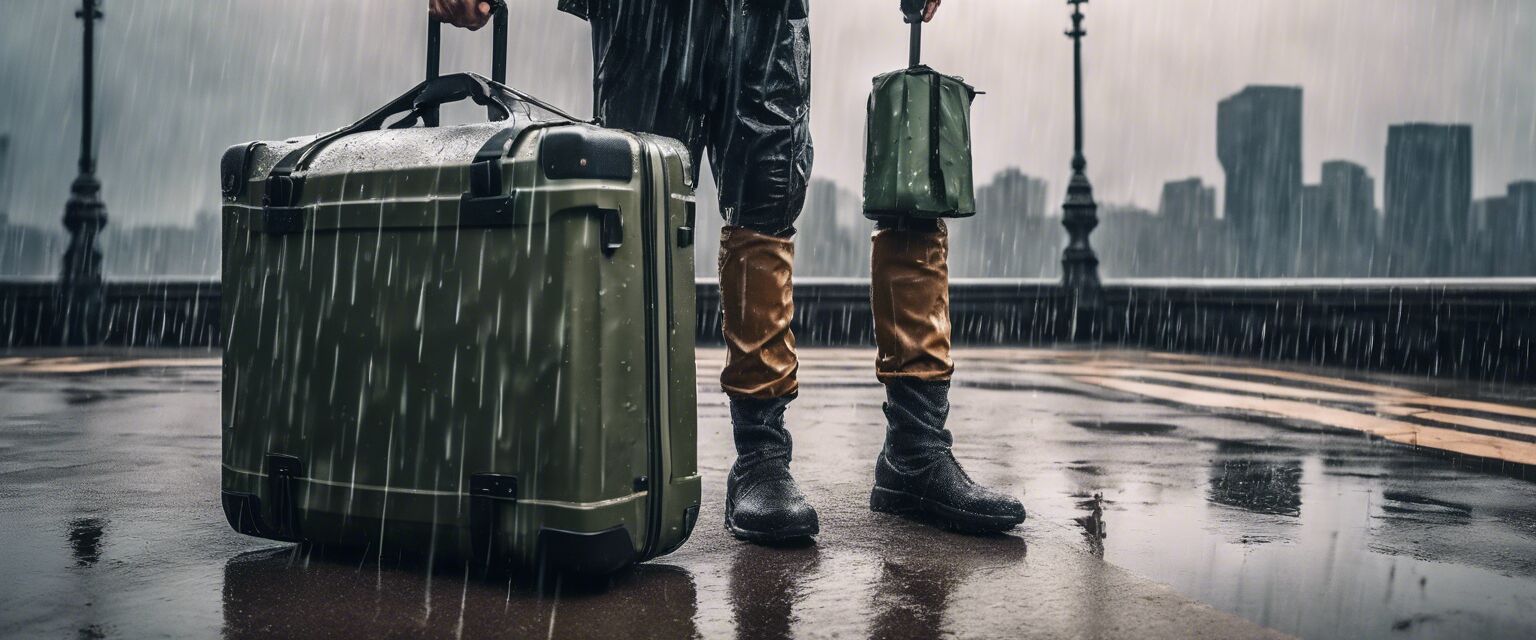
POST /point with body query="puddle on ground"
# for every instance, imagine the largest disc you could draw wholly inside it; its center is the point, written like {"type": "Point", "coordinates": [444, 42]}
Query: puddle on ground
{"type": "Point", "coordinates": [1126, 428]}
{"type": "Point", "coordinates": [1315, 534]}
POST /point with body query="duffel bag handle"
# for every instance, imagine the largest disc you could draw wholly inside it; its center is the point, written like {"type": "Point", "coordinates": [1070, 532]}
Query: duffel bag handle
{"type": "Point", "coordinates": [912, 12]}
{"type": "Point", "coordinates": [498, 51]}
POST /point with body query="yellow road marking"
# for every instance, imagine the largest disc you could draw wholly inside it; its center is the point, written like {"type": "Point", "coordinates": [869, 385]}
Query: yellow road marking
{"type": "Point", "coordinates": [1113, 362]}
{"type": "Point", "coordinates": [1260, 388]}
{"type": "Point", "coordinates": [1473, 405]}
{"type": "Point", "coordinates": [74, 365]}
{"type": "Point", "coordinates": [1396, 410]}
{"type": "Point", "coordinates": [1386, 428]}
{"type": "Point", "coordinates": [1294, 376]}
{"type": "Point", "coordinates": [1475, 423]}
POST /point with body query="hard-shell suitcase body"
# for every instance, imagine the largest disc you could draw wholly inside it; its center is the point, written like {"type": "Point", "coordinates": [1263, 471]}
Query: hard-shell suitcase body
{"type": "Point", "coordinates": [474, 341]}
{"type": "Point", "coordinates": [917, 160]}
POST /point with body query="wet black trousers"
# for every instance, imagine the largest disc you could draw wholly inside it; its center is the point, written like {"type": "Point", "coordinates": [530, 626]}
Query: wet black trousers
{"type": "Point", "coordinates": [731, 77]}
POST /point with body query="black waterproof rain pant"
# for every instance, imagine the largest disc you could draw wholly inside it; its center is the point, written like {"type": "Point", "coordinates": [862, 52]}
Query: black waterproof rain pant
{"type": "Point", "coordinates": [732, 77]}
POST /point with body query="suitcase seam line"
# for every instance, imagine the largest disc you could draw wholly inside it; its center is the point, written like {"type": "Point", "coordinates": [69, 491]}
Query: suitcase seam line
{"type": "Point", "coordinates": [428, 492]}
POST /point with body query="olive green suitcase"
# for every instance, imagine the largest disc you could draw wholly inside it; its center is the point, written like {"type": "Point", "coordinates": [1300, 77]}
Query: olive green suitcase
{"type": "Point", "coordinates": [917, 159]}
{"type": "Point", "coordinates": [474, 341]}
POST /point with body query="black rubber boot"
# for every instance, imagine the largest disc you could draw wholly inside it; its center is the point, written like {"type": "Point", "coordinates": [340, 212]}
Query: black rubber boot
{"type": "Point", "coordinates": [762, 503]}
{"type": "Point", "coordinates": [917, 474]}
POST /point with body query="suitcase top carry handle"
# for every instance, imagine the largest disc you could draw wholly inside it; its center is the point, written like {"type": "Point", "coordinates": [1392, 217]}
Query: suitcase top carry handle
{"type": "Point", "coordinates": [912, 12]}
{"type": "Point", "coordinates": [498, 51]}
{"type": "Point", "coordinates": [283, 186]}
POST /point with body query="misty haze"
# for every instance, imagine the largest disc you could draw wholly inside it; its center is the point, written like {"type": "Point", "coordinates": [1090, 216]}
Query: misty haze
{"type": "Point", "coordinates": [1203, 319]}
{"type": "Point", "coordinates": [1255, 139]}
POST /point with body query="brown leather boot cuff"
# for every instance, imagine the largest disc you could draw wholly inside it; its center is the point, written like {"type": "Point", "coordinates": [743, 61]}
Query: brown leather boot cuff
{"type": "Point", "coordinates": [757, 299]}
{"type": "Point", "coordinates": [909, 295]}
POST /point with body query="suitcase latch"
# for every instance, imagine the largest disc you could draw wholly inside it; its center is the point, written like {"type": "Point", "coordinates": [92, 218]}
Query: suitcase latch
{"type": "Point", "coordinates": [685, 232]}
{"type": "Point", "coordinates": [283, 473]}
{"type": "Point", "coordinates": [611, 230]}
{"type": "Point", "coordinates": [487, 493]}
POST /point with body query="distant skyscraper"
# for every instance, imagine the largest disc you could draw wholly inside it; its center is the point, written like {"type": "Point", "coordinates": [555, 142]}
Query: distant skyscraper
{"type": "Point", "coordinates": [1137, 243]}
{"type": "Point", "coordinates": [1188, 203]}
{"type": "Point", "coordinates": [1188, 230]}
{"type": "Point", "coordinates": [1011, 234]}
{"type": "Point", "coordinates": [833, 238]}
{"type": "Point", "coordinates": [1428, 198]}
{"type": "Point", "coordinates": [1309, 253]}
{"type": "Point", "coordinates": [1258, 140]}
{"type": "Point", "coordinates": [1348, 226]}
{"type": "Point", "coordinates": [1521, 241]}
{"type": "Point", "coordinates": [1013, 193]}
{"type": "Point", "coordinates": [1492, 228]}
{"type": "Point", "coordinates": [5, 174]}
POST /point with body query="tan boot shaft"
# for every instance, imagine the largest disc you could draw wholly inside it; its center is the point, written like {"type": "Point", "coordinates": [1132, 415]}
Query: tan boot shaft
{"type": "Point", "coordinates": [757, 296]}
{"type": "Point", "coordinates": [909, 296]}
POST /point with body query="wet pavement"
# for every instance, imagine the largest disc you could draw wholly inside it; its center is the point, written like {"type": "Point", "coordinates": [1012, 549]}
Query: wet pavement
{"type": "Point", "coordinates": [1169, 497]}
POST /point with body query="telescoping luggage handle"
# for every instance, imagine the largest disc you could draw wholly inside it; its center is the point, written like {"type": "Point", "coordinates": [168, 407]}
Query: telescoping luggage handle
{"type": "Point", "coordinates": [421, 103]}
{"type": "Point", "coordinates": [283, 185]}
{"type": "Point", "coordinates": [498, 51]}
{"type": "Point", "coordinates": [286, 180]}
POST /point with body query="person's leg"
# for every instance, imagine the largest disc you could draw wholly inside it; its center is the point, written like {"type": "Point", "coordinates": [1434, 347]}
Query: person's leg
{"type": "Point", "coordinates": [648, 67]}
{"type": "Point", "coordinates": [916, 473]}
{"type": "Point", "coordinates": [760, 150]}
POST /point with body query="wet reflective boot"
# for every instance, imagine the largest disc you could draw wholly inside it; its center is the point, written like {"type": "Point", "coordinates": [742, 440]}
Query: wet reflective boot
{"type": "Point", "coordinates": [762, 503]}
{"type": "Point", "coordinates": [917, 475]}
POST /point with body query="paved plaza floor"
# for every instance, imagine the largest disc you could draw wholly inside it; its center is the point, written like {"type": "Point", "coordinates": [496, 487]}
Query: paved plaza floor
{"type": "Point", "coordinates": [1170, 496]}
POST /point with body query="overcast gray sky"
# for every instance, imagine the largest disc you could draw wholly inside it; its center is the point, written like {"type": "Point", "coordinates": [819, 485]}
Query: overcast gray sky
{"type": "Point", "coordinates": [183, 79]}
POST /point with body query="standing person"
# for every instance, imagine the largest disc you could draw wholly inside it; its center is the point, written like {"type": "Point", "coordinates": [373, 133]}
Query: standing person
{"type": "Point", "coordinates": [733, 77]}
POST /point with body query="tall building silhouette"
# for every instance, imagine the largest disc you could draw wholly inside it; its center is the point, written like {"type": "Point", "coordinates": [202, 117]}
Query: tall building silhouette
{"type": "Point", "coordinates": [1313, 220]}
{"type": "Point", "coordinates": [1258, 140]}
{"type": "Point", "coordinates": [1428, 199]}
{"type": "Point", "coordinates": [1490, 228]}
{"type": "Point", "coordinates": [1348, 226]}
{"type": "Point", "coordinates": [1198, 242]}
{"type": "Point", "coordinates": [5, 174]}
{"type": "Point", "coordinates": [833, 237]}
{"type": "Point", "coordinates": [1012, 233]}
{"type": "Point", "coordinates": [1188, 203]}
{"type": "Point", "coordinates": [1519, 242]}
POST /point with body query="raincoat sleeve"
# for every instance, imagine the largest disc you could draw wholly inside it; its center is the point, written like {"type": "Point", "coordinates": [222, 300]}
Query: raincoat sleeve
{"type": "Point", "coordinates": [576, 8]}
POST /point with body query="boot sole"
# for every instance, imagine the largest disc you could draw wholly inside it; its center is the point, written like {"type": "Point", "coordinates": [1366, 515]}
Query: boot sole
{"type": "Point", "coordinates": [901, 503]}
{"type": "Point", "coordinates": [782, 535]}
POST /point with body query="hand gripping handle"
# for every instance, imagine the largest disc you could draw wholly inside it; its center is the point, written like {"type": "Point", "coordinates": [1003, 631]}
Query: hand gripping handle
{"type": "Point", "coordinates": [498, 51]}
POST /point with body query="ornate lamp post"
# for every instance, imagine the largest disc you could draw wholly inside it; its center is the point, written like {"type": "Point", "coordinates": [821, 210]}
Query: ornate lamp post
{"type": "Point", "coordinates": [1080, 267]}
{"type": "Point", "coordinates": [85, 214]}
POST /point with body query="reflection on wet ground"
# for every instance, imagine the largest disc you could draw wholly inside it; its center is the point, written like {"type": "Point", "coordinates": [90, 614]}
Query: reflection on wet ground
{"type": "Point", "coordinates": [282, 594]}
{"type": "Point", "coordinates": [111, 511]}
{"type": "Point", "coordinates": [85, 540]}
{"type": "Point", "coordinates": [1095, 528]}
{"type": "Point", "coordinates": [765, 583]}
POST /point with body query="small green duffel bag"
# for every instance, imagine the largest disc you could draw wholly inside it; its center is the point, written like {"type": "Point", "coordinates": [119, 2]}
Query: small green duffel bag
{"type": "Point", "coordinates": [917, 159]}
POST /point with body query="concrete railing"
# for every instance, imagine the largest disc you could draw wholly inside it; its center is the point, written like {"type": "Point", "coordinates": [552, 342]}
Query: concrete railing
{"type": "Point", "coordinates": [1480, 329]}
{"type": "Point", "coordinates": [169, 312]}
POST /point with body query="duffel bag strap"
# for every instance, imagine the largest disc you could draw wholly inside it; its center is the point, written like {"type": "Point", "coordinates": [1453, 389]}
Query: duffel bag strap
{"type": "Point", "coordinates": [936, 138]}
{"type": "Point", "coordinates": [912, 12]}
